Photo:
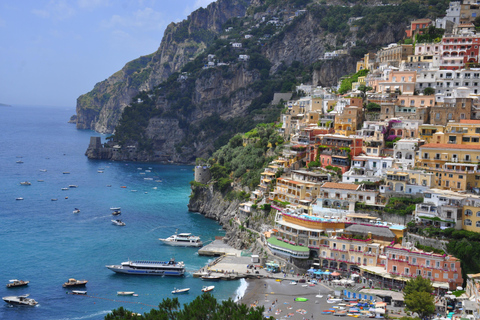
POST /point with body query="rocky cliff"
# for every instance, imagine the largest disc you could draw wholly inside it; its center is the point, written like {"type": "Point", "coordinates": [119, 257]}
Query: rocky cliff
{"type": "Point", "coordinates": [232, 57]}
{"type": "Point", "coordinates": [101, 108]}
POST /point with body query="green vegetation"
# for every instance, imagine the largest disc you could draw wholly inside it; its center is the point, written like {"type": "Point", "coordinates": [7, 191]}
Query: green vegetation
{"type": "Point", "coordinates": [236, 161]}
{"type": "Point", "coordinates": [431, 34]}
{"type": "Point", "coordinates": [402, 206]}
{"type": "Point", "coordinates": [395, 205]}
{"type": "Point", "coordinates": [373, 107]}
{"type": "Point", "coordinates": [204, 307]}
{"type": "Point", "coordinates": [418, 296]}
{"type": "Point", "coordinates": [346, 84]}
{"type": "Point", "coordinates": [429, 249]}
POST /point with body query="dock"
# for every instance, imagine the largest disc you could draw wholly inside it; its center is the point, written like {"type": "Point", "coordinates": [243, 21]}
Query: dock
{"type": "Point", "coordinates": [218, 248]}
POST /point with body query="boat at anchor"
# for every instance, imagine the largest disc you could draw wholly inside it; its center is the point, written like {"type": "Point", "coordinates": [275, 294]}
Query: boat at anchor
{"type": "Point", "coordinates": [154, 268]}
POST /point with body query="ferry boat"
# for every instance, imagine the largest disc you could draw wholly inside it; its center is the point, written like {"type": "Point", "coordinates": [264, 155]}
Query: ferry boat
{"type": "Point", "coordinates": [183, 240]}
{"type": "Point", "coordinates": [154, 268]}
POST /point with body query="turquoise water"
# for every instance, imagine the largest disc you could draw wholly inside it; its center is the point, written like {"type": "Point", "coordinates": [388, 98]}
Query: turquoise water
{"type": "Point", "coordinates": [44, 242]}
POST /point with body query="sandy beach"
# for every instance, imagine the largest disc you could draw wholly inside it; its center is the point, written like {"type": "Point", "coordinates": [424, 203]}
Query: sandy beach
{"type": "Point", "coordinates": [278, 299]}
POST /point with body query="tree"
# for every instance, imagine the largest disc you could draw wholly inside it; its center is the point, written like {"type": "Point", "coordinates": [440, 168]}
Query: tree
{"type": "Point", "coordinates": [420, 302]}
{"type": "Point", "coordinates": [203, 307]}
{"type": "Point", "coordinates": [428, 91]}
{"type": "Point", "coordinates": [418, 295]}
{"type": "Point", "coordinates": [363, 91]}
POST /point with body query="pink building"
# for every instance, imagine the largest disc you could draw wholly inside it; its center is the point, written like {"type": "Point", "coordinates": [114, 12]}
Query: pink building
{"type": "Point", "coordinates": [444, 270]}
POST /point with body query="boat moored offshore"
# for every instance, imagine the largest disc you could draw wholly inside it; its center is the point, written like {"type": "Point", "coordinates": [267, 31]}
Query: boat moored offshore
{"type": "Point", "coordinates": [20, 300]}
{"type": "Point", "coordinates": [183, 240]}
{"type": "Point", "coordinates": [154, 268]}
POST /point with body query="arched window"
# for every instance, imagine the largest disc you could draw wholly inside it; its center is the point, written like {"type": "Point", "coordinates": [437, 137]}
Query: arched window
{"type": "Point", "coordinates": [477, 224]}
{"type": "Point", "coordinates": [467, 222]}
{"type": "Point", "coordinates": [468, 212]}
{"type": "Point", "coordinates": [478, 213]}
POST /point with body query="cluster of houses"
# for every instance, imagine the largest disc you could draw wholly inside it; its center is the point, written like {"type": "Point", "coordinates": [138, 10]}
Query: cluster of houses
{"type": "Point", "coordinates": [420, 139]}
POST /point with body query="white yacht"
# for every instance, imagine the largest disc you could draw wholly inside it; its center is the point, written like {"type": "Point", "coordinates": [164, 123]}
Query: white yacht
{"type": "Point", "coordinates": [183, 240]}
{"type": "Point", "coordinates": [20, 300]}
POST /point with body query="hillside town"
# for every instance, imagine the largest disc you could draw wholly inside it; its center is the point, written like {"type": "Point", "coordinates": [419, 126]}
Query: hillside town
{"type": "Point", "coordinates": [405, 129]}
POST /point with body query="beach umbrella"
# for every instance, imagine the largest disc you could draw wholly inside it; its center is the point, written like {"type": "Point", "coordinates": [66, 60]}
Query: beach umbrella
{"type": "Point", "coordinates": [311, 270]}
{"type": "Point", "coordinates": [335, 274]}
{"type": "Point", "coordinates": [327, 272]}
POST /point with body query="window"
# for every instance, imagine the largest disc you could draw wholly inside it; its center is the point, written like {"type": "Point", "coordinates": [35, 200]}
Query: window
{"type": "Point", "coordinates": [394, 268]}
{"type": "Point", "coordinates": [445, 276]}
{"type": "Point", "coordinates": [414, 260]}
{"type": "Point", "coordinates": [407, 271]}
{"type": "Point", "coordinates": [477, 224]}
{"type": "Point", "coordinates": [467, 222]}
{"type": "Point", "coordinates": [427, 262]}
{"type": "Point", "coordinates": [437, 264]}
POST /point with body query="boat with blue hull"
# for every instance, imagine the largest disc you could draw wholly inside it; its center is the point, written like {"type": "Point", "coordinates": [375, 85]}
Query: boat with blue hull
{"type": "Point", "coordinates": [153, 268]}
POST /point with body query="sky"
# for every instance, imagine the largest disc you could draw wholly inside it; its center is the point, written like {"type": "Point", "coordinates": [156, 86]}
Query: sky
{"type": "Point", "coordinates": [53, 51]}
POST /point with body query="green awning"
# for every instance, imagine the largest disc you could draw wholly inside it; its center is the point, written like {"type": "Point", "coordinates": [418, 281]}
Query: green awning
{"type": "Point", "coordinates": [274, 241]}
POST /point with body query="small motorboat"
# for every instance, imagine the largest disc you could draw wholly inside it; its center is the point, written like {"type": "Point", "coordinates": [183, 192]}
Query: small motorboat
{"type": "Point", "coordinates": [54, 199]}
{"type": "Point", "coordinates": [109, 185]}
{"type": "Point", "coordinates": [19, 198]}
{"type": "Point", "coordinates": [116, 212]}
{"type": "Point", "coordinates": [66, 172]}
{"type": "Point", "coordinates": [25, 183]}
{"type": "Point", "coordinates": [79, 292]}
{"type": "Point", "coordinates": [20, 300]}
{"type": "Point", "coordinates": [208, 288]}
{"type": "Point", "coordinates": [19, 161]}
{"type": "Point", "coordinates": [73, 186]}
{"type": "Point", "coordinates": [115, 208]}
{"type": "Point", "coordinates": [74, 283]}
{"type": "Point", "coordinates": [100, 171]}
{"type": "Point", "coordinates": [175, 290]}
{"type": "Point", "coordinates": [125, 293]}
{"type": "Point", "coordinates": [17, 283]}
{"type": "Point", "coordinates": [43, 170]}
{"type": "Point", "coordinates": [76, 210]}
{"type": "Point", "coordinates": [41, 180]}
{"type": "Point", "coordinates": [64, 189]}
{"type": "Point", "coordinates": [118, 222]}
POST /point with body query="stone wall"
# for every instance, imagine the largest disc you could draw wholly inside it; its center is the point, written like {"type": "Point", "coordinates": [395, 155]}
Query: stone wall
{"type": "Point", "coordinates": [431, 242]}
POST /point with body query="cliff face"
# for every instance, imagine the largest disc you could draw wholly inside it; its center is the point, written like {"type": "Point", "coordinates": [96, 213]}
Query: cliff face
{"type": "Point", "coordinates": [197, 110]}
{"type": "Point", "coordinates": [101, 108]}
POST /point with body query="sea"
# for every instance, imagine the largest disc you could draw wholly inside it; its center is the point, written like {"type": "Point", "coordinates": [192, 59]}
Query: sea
{"type": "Point", "coordinates": [44, 242]}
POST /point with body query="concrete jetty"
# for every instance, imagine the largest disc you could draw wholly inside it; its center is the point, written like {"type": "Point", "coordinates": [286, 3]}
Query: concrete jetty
{"type": "Point", "coordinates": [218, 248]}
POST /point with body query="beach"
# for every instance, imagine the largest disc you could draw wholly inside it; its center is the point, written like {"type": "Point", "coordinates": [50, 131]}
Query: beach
{"type": "Point", "coordinates": [278, 299]}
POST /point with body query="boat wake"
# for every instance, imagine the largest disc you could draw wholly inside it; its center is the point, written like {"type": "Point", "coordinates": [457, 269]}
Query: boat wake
{"type": "Point", "coordinates": [90, 316]}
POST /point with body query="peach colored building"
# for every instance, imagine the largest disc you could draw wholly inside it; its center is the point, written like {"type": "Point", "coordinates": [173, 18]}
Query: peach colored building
{"type": "Point", "coordinates": [444, 270]}
{"type": "Point", "coordinates": [398, 82]}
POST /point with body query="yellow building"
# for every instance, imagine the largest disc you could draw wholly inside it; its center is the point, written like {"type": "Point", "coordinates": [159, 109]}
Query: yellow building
{"type": "Point", "coordinates": [471, 214]}
{"type": "Point", "coordinates": [347, 122]}
{"type": "Point", "coordinates": [427, 132]}
{"type": "Point", "coordinates": [455, 165]}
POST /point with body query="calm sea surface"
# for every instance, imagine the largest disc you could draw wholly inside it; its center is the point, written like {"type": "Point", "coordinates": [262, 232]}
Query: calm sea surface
{"type": "Point", "coordinates": [44, 242]}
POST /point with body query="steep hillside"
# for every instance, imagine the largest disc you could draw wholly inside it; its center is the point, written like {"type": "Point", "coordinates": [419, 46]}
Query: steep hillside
{"type": "Point", "coordinates": [264, 47]}
{"type": "Point", "coordinates": [101, 108]}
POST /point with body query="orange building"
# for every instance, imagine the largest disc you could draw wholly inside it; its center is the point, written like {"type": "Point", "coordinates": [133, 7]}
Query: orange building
{"type": "Point", "coordinates": [444, 270]}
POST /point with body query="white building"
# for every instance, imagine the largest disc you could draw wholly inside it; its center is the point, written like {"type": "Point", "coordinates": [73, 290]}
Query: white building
{"type": "Point", "coordinates": [367, 168]}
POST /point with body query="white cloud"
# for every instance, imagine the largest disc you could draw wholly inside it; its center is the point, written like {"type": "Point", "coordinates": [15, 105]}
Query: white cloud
{"type": "Point", "coordinates": [55, 9]}
{"type": "Point", "coordinates": [145, 19]}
